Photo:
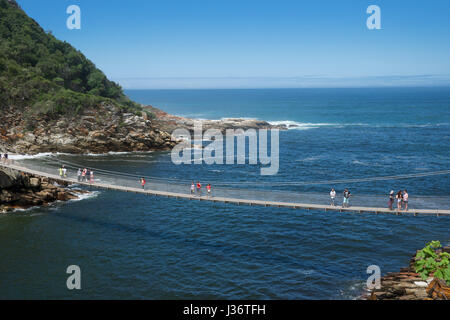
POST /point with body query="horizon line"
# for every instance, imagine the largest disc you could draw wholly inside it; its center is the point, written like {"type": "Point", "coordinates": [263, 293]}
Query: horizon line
{"type": "Point", "coordinates": [293, 82]}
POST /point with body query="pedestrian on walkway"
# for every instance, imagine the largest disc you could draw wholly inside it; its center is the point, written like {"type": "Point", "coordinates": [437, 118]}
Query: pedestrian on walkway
{"type": "Point", "coordinates": [391, 200]}
{"type": "Point", "coordinates": [405, 199]}
{"type": "Point", "coordinates": [347, 195]}
{"type": "Point", "coordinates": [143, 182]}
{"type": "Point", "coordinates": [79, 175]}
{"type": "Point", "coordinates": [199, 188]}
{"type": "Point", "coordinates": [333, 196]}
{"type": "Point", "coordinates": [208, 190]}
{"type": "Point", "coordinates": [399, 198]}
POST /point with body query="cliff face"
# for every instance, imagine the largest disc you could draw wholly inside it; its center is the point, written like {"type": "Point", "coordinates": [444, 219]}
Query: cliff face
{"type": "Point", "coordinates": [100, 130]}
{"type": "Point", "coordinates": [19, 190]}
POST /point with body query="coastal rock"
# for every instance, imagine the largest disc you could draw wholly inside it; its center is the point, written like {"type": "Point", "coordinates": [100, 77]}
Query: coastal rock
{"type": "Point", "coordinates": [19, 190]}
{"type": "Point", "coordinates": [100, 130]}
{"type": "Point", "coordinates": [408, 285]}
{"type": "Point", "coordinates": [169, 123]}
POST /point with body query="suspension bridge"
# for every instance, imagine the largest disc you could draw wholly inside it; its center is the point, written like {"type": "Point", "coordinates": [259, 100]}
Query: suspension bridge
{"type": "Point", "coordinates": [124, 182]}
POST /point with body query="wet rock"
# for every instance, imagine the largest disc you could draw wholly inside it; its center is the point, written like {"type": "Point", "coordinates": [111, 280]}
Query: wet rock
{"type": "Point", "coordinates": [408, 285]}
{"type": "Point", "coordinates": [35, 182]}
{"type": "Point", "coordinates": [168, 123]}
{"type": "Point", "coordinates": [20, 190]}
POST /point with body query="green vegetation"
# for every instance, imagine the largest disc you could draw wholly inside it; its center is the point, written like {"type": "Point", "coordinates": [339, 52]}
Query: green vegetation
{"type": "Point", "coordinates": [44, 75]}
{"type": "Point", "coordinates": [429, 262]}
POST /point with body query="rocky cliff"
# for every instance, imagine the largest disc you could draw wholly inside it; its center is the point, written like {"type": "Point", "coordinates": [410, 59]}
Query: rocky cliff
{"type": "Point", "coordinates": [21, 191]}
{"type": "Point", "coordinates": [100, 130]}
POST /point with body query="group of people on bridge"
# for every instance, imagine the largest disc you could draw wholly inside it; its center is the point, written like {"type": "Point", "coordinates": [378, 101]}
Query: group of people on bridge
{"type": "Point", "coordinates": [401, 197]}
{"type": "Point", "coordinates": [198, 186]}
{"type": "Point", "coordinates": [86, 175]}
{"type": "Point", "coordinates": [83, 175]}
{"type": "Point", "coordinates": [193, 188]}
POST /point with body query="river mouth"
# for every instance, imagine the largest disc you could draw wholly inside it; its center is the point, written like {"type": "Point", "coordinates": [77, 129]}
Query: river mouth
{"type": "Point", "coordinates": [138, 246]}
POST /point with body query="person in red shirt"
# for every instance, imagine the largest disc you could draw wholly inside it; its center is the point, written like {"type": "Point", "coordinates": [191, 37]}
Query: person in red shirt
{"type": "Point", "coordinates": [143, 182]}
{"type": "Point", "coordinates": [208, 189]}
{"type": "Point", "coordinates": [199, 188]}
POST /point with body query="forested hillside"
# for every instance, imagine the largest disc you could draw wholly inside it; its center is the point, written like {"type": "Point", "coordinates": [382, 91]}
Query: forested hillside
{"type": "Point", "coordinates": [53, 99]}
{"type": "Point", "coordinates": [46, 75]}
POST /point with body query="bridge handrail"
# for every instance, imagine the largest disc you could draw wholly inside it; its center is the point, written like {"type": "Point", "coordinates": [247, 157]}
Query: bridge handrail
{"type": "Point", "coordinates": [238, 201]}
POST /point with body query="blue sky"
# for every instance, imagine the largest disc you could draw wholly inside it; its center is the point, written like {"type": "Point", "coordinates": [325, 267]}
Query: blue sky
{"type": "Point", "coordinates": [251, 44]}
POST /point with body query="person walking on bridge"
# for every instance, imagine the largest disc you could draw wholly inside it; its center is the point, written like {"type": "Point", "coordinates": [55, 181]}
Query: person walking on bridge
{"type": "Point", "coordinates": [405, 199]}
{"type": "Point", "coordinates": [79, 175]}
{"type": "Point", "coordinates": [199, 188]}
{"type": "Point", "coordinates": [347, 195]}
{"type": "Point", "coordinates": [192, 188]}
{"type": "Point", "coordinates": [61, 171]}
{"type": "Point", "coordinates": [208, 190]}
{"type": "Point", "coordinates": [332, 196]}
{"type": "Point", "coordinates": [391, 200]}
{"type": "Point", "coordinates": [83, 175]}
{"type": "Point", "coordinates": [143, 182]}
{"type": "Point", "coordinates": [399, 198]}
{"type": "Point", "coordinates": [91, 176]}
{"type": "Point", "coordinates": [64, 171]}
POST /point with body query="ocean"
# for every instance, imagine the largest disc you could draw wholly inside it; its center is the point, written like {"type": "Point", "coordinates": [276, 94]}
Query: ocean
{"type": "Point", "coordinates": [137, 247]}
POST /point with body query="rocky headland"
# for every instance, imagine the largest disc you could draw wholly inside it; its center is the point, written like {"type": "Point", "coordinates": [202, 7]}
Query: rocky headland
{"type": "Point", "coordinates": [22, 191]}
{"type": "Point", "coordinates": [101, 130]}
{"type": "Point", "coordinates": [167, 122]}
{"type": "Point", "coordinates": [408, 285]}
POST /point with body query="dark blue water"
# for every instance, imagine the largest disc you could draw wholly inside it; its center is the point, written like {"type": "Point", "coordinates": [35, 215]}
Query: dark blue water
{"type": "Point", "coordinates": [132, 246]}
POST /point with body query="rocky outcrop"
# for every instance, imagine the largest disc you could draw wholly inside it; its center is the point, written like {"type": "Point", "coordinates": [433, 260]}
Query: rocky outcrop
{"type": "Point", "coordinates": [99, 130]}
{"type": "Point", "coordinates": [166, 122]}
{"type": "Point", "coordinates": [22, 191]}
{"type": "Point", "coordinates": [408, 285]}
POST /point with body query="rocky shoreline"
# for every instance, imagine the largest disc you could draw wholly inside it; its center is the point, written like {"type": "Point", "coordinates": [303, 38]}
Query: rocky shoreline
{"type": "Point", "coordinates": [23, 191]}
{"type": "Point", "coordinates": [408, 285]}
{"type": "Point", "coordinates": [105, 129]}
{"type": "Point", "coordinates": [167, 122]}
{"type": "Point", "coordinates": [100, 130]}
{"type": "Point", "coordinates": [94, 131]}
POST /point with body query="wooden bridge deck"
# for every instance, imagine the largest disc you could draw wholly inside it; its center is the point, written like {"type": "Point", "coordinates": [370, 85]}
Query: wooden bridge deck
{"type": "Point", "coordinates": [236, 201]}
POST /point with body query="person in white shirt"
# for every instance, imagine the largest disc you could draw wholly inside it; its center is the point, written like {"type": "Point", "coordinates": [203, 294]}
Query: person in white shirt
{"type": "Point", "coordinates": [405, 199]}
{"type": "Point", "coordinates": [332, 196]}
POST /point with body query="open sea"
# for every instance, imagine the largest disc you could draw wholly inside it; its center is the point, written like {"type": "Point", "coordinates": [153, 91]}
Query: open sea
{"type": "Point", "coordinates": [138, 247]}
